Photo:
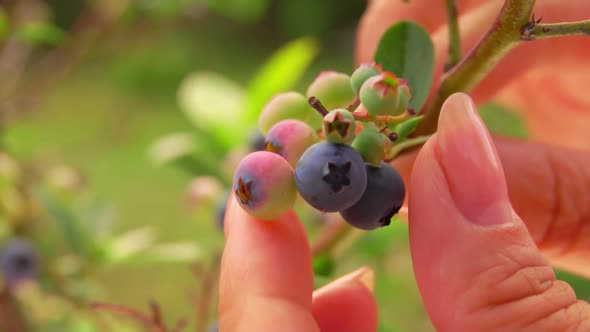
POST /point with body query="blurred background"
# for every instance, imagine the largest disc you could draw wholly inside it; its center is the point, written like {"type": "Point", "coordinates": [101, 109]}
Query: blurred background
{"type": "Point", "coordinates": [121, 121]}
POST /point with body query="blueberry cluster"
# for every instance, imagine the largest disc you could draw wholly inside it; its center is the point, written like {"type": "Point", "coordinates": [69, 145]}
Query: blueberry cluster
{"type": "Point", "coordinates": [333, 158]}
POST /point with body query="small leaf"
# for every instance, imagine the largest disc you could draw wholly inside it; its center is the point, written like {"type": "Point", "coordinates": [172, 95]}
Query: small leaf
{"type": "Point", "coordinates": [406, 50]}
{"type": "Point", "coordinates": [502, 121]}
{"type": "Point", "coordinates": [183, 150]}
{"type": "Point", "coordinates": [40, 33]}
{"type": "Point", "coordinates": [280, 73]}
{"type": "Point", "coordinates": [178, 252]}
{"type": "Point", "coordinates": [213, 102]}
{"type": "Point", "coordinates": [74, 232]}
{"type": "Point", "coordinates": [130, 244]}
{"type": "Point", "coordinates": [404, 129]}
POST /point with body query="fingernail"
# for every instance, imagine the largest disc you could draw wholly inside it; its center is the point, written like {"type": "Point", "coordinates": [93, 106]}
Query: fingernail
{"type": "Point", "coordinates": [365, 275]}
{"type": "Point", "coordinates": [471, 165]}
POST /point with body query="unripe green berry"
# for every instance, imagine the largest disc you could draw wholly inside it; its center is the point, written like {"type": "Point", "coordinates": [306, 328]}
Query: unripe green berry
{"type": "Point", "coordinates": [362, 74]}
{"type": "Point", "coordinates": [380, 95]}
{"type": "Point", "coordinates": [339, 126]}
{"type": "Point", "coordinates": [371, 144]}
{"type": "Point", "coordinates": [332, 89]}
{"type": "Point", "coordinates": [283, 106]}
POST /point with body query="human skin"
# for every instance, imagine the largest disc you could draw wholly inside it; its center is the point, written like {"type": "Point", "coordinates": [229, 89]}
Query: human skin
{"type": "Point", "coordinates": [546, 82]}
{"type": "Point", "coordinates": [487, 216]}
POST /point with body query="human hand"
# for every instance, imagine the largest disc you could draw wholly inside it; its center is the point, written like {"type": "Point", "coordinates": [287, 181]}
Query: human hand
{"type": "Point", "coordinates": [266, 281]}
{"type": "Point", "coordinates": [476, 265]}
{"type": "Point", "coordinates": [545, 80]}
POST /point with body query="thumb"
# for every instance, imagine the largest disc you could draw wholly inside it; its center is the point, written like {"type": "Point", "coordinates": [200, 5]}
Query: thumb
{"type": "Point", "coordinates": [476, 266]}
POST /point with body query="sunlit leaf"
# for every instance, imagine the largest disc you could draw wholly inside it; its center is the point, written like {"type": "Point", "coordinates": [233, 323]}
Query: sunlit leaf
{"type": "Point", "coordinates": [40, 33]}
{"type": "Point", "coordinates": [178, 252]}
{"type": "Point", "coordinates": [406, 50]}
{"type": "Point", "coordinates": [183, 150]}
{"type": "Point", "coordinates": [131, 244]}
{"type": "Point", "coordinates": [214, 103]}
{"type": "Point", "coordinates": [280, 73]}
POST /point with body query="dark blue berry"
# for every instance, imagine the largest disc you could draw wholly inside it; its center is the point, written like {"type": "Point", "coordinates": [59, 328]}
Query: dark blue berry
{"type": "Point", "coordinates": [382, 199]}
{"type": "Point", "coordinates": [330, 177]}
{"type": "Point", "coordinates": [257, 141]}
{"type": "Point", "coordinates": [18, 261]}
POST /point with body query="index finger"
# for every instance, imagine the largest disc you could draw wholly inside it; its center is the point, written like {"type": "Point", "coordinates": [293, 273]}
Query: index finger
{"type": "Point", "coordinates": [266, 277]}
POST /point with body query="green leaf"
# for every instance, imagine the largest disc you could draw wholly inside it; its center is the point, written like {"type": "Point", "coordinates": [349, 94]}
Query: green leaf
{"type": "Point", "coordinates": [183, 150]}
{"type": "Point", "coordinates": [3, 24]}
{"type": "Point", "coordinates": [74, 232]}
{"type": "Point", "coordinates": [40, 33]}
{"type": "Point", "coordinates": [406, 50]}
{"type": "Point", "coordinates": [280, 73]}
{"type": "Point", "coordinates": [213, 102]}
{"type": "Point", "coordinates": [503, 122]}
{"type": "Point", "coordinates": [580, 284]}
{"type": "Point", "coordinates": [407, 127]}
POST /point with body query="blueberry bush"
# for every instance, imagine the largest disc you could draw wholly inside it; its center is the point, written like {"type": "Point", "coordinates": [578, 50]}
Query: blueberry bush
{"type": "Point", "coordinates": [125, 121]}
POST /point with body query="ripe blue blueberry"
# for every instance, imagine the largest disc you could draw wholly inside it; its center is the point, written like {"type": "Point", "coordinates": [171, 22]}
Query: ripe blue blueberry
{"type": "Point", "coordinates": [18, 261]}
{"type": "Point", "coordinates": [330, 177]}
{"type": "Point", "coordinates": [382, 199]}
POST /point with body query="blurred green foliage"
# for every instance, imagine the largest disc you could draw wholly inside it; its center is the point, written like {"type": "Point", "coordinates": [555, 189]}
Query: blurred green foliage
{"type": "Point", "coordinates": [126, 94]}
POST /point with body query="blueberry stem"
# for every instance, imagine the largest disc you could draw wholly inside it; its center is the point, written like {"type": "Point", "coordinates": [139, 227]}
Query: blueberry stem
{"type": "Point", "coordinates": [11, 318]}
{"type": "Point", "coordinates": [331, 236]}
{"type": "Point", "coordinates": [407, 144]}
{"type": "Point", "coordinates": [503, 35]}
{"type": "Point", "coordinates": [317, 105]}
{"type": "Point", "coordinates": [535, 30]}
{"type": "Point", "coordinates": [454, 36]}
{"type": "Point", "coordinates": [355, 103]}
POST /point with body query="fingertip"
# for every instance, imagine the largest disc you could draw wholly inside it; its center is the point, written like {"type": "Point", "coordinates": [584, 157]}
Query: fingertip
{"type": "Point", "coordinates": [347, 304]}
{"type": "Point", "coordinates": [262, 261]}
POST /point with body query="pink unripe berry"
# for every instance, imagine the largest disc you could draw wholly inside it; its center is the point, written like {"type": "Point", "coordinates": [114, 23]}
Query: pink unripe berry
{"type": "Point", "coordinates": [264, 185]}
{"type": "Point", "coordinates": [290, 138]}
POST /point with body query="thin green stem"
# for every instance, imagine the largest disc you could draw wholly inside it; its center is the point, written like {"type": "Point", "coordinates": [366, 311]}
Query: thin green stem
{"type": "Point", "coordinates": [330, 237]}
{"type": "Point", "coordinates": [539, 31]}
{"type": "Point", "coordinates": [454, 36]}
{"type": "Point", "coordinates": [409, 143]}
{"type": "Point", "coordinates": [503, 35]}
